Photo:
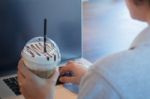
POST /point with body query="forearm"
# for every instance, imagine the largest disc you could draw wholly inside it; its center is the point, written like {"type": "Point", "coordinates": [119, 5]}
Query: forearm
{"type": "Point", "coordinates": [94, 86]}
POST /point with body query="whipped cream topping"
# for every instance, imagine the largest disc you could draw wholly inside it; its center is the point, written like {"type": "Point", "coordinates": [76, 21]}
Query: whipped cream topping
{"type": "Point", "coordinates": [33, 54]}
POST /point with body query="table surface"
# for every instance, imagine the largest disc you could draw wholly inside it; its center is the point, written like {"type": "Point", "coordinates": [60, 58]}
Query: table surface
{"type": "Point", "coordinates": [61, 93]}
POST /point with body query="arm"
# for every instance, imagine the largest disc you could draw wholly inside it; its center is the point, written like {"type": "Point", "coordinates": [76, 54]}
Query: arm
{"type": "Point", "coordinates": [34, 87]}
{"type": "Point", "coordinates": [76, 70]}
{"type": "Point", "coordinates": [95, 86]}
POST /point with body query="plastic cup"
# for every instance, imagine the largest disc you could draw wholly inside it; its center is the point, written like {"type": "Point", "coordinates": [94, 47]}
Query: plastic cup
{"type": "Point", "coordinates": [39, 62]}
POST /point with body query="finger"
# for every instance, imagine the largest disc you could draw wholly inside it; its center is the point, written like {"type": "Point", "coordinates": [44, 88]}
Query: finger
{"type": "Point", "coordinates": [21, 67]}
{"type": "Point", "coordinates": [20, 63]}
{"type": "Point", "coordinates": [70, 62]}
{"type": "Point", "coordinates": [21, 90]}
{"type": "Point", "coordinates": [19, 73]}
{"type": "Point", "coordinates": [24, 92]}
{"type": "Point", "coordinates": [67, 79]}
{"type": "Point", "coordinates": [64, 65]}
{"type": "Point", "coordinates": [21, 79]}
{"type": "Point", "coordinates": [67, 68]}
{"type": "Point", "coordinates": [54, 77]}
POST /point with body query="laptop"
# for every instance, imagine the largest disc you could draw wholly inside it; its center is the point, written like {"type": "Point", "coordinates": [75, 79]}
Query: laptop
{"type": "Point", "coordinates": [21, 20]}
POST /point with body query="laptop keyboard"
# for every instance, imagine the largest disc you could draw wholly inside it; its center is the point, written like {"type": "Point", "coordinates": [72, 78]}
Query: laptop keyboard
{"type": "Point", "coordinates": [12, 83]}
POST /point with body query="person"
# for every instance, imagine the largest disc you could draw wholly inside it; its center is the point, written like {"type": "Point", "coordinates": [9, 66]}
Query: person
{"type": "Point", "coordinates": [123, 75]}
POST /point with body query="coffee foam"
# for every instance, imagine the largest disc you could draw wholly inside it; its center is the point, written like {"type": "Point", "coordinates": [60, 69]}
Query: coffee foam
{"type": "Point", "coordinates": [35, 58]}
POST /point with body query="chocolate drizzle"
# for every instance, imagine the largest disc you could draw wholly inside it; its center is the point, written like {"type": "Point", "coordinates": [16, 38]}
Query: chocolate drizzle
{"type": "Point", "coordinates": [48, 58]}
{"type": "Point", "coordinates": [50, 48]}
{"type": "Point", "coordinates": [37, 46]}
{"type": "Point", "coordinates": [37, 49]}
{"type": "Point", "coordinates": [54, 57]}
{"type": "Point", "coordinates": [29, 51]}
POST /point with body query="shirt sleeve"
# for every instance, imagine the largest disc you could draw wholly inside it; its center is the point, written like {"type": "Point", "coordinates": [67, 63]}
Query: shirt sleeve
{"type": "Point", "coordinates": [95, 86]}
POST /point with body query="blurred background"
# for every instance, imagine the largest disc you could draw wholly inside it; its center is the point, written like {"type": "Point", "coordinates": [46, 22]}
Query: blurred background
{"type": "Point", "coordinates": [107, 28]}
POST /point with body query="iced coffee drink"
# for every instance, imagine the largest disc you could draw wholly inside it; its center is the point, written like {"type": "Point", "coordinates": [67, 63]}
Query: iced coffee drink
{"type": "Point", "coordinates": [40, 62]}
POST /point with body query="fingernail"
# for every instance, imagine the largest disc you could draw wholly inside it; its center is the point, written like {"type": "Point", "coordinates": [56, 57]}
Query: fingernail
{"type": "Point", "coordinates": [70, 61]}
{"type": "Point", "coordinates": [60, 79]}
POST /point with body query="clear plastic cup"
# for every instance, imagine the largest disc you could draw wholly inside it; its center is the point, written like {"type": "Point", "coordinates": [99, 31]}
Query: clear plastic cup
{"type": "Point", "coordinates": [39, 62]}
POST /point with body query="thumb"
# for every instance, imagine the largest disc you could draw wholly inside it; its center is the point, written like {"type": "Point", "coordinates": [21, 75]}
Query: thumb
{"type": "Point", "coordinates": [54, 77]}
{"type": "Point", "coordinates": [67, 79]}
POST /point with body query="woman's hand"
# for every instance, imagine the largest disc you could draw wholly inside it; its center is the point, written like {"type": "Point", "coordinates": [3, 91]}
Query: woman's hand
{"type": "Point", "coordinates": [34, 87]}
{"type": "Point", "coordinates": [77, 71]}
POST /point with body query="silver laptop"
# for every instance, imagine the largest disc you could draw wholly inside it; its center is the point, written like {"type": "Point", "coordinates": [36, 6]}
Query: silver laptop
{"type": "Point", "coordinates": [21, 20]}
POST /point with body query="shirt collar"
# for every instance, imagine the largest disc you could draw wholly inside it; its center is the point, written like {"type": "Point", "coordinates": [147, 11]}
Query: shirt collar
{"type": "Point", "coordinates": [142, 39]}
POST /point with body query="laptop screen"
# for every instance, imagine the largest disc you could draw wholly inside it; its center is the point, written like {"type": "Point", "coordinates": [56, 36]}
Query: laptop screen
{"type": "Point", "coordinates": [21, 20]}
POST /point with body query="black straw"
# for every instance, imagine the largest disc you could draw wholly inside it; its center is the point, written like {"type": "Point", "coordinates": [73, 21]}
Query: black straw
{"type": "Point", "coordinates": [45, 33]}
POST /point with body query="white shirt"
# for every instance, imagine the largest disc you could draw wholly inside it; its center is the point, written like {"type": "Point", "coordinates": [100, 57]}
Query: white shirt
{"type": "Point", "coordinates": [124, 75]}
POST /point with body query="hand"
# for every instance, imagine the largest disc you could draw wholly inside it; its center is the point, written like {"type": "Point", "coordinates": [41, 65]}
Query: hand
{"type": "Point", "coordinates": [34, 87]}
{"type": "Point", "coordinates": [76, 69]}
